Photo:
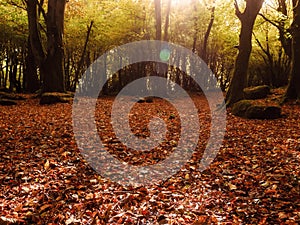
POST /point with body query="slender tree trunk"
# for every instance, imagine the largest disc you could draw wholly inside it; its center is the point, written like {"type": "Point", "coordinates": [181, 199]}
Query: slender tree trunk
{"type": "Point", "coordinates": [166, 33]}
{"type": "Point", "coordinates": [207, 33]}
{"type": "Point", "coordinates": [286, 41]}
{"type": "Point", "coordinates": [6, 70]}
{"type": "Point", "coordinates": [268, 59]}
{"type": "Point", "coordinates": [196, 26]}
{"type": "Point", "coordinates": [32, 83]}
{"type": "Point", "coordinates": [1, 76]}
{"type": "Point", "coordinates": [293, 90]}
{"type": "Point", "coordinates": [161, 69]}
{"type": "Point", "coordinates": [67, 63]}
{"type": "Point", "coordinates": [13, 72]}
{"type": "Point", "coordinates": [157, 4]}
{"type": "Point", "coordinates": [239, 78]}
{"type": "Point", "coordinates": [81, 61]}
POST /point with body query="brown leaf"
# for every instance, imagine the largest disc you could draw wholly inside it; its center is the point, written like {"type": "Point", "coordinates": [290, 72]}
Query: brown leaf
{"type": "Point", "coordinates": [47, 165]}
{"type": "Point", "coordinates": [44, 207]}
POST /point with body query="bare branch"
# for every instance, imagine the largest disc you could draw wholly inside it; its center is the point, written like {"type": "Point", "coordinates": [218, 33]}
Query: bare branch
{"type": "Point", "coordinates": [271, 22]}
{"type": "Point", "coordinates": [17, 5]}
{"type": "Point", "coordinates": [260, 44]}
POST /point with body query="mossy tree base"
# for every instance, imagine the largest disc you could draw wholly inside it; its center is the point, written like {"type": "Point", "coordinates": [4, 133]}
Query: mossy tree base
{"type": "Point", "coordinates": [254, 110]}
{"type": "Point", "coordinates": [258, 92]}
{"type": "Point", "coordinates": [10, 96]}
{"type": "Point", "coordinates": [55, 97]}
{"type": "Point", "coordinates": [7, 99]}
{"type": "Point", "coordinates": [7, 102]}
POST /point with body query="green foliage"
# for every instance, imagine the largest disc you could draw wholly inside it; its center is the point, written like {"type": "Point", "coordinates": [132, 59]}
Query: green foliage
{"type": "Point", "coordinates": [123, 21]}
{"type": "Point", "coordinates": [116, 23]}
{"type": "Point", "coordinates": [13, 21]}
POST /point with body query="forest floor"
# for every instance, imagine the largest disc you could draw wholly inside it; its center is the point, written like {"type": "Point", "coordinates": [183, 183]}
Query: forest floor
{"type": "Point", "coordinates": [254, 179]}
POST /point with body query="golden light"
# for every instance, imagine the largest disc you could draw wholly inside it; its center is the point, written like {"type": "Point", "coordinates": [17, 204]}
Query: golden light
{"type": "Point", "coordinates": [270, 3]}
{"type": "Point", "coordinates": [181, 2]}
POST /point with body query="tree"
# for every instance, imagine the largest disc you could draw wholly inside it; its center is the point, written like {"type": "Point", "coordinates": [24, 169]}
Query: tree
{"type": "Point", "coordinates": [161, 68]}
{"type": "Point", "coordinates": [284, 38]}
{"type": "Point", "coordinates": [203, 52]}
{"type": "Point", "coordinates": [239, 78]}
{"type": "Point", "coordinates": [166, 34]}
{"type": "Point", "coordinates": [30, 75]}
{"type": "Point", "coordinates": [293, 90]}
{"type": "Point", "coordinates": [81, 61]}
{"type": "Point", "coordinates": [157, 5]}
{"type": "Point", "coordinates": [49, 59]}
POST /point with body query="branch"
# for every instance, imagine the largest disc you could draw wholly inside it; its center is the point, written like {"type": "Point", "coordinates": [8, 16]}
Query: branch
{"type": "Point", "coordinates": [260, 44]}
{"type": "Point", "coordinates": [295, 4]}
{"type": "Point", "coordinates": [271, 22]}
{"type": "Point", "coordinates": [17, 5]}
{"type": "Point", "coordinates": [41, 3]}
{"type": "Point", "coordinates": [42, 28]}
{"type": "Point", "coordinates": [238, 12]}
{"type": "Point", "coordinates": [41, 9]}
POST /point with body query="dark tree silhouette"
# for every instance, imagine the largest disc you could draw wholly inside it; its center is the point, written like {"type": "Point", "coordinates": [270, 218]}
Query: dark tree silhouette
{"type": "Point", "coordinates": [293, 90]}
{"type": "Point", "coordinates": [239, 78]}
{"type": "Point", "coordinates": [49, 59]}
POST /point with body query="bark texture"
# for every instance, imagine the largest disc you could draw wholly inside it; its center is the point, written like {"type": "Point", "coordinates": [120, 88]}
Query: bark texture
{"type": "Point", "coordinates": [49, 59]}
{"type": "Point", "coordinates": [293, 90]}
{"type": "Point", "coordinates": [239, 78]}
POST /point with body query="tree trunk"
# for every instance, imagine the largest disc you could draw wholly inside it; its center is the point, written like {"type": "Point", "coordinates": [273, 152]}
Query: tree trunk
{"type": "Point", "coordinates": [53, 67]}
{"type": "Point", "coordinates": [31, 80]}
{"type": "Point", "coordinates": [1, 76]}
{"type": "Point", "coordinates": [81, 61]}
{"type": "Point", "coordinates": [6, 70]}
{"type": "Point", "coordinates": [166, 34]}
{"type": "Point", "coordinates": [283, 37]}
{"type": "Point", "coordinates": [293, 90]}
{"type": "Point", "coordinates": [50, 62]}
{"type": "Point", "coordinates": [34, 33]}
{"type": "Point", "coordinates": [13, 72]}
{"type": "Point", "coordinates": [157, 4]}
{"type": "Point", "coordinates": [239, 78]}
{"type": "Point", "coordinates": [196, 26]}
{"type": "Point", "coordinates": [161, 69]}
{"type": "Point", "coordinates": [207, 33]}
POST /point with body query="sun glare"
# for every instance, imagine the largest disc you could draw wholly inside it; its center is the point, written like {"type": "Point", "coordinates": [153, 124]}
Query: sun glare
{"type": "Point", "coordinates": [268, 2]}
{"type": "Point", "coordinates": [181, 2]}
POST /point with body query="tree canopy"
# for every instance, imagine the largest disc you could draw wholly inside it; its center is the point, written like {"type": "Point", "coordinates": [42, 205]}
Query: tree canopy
{"type": "Point", "coordinates": [192, 24]}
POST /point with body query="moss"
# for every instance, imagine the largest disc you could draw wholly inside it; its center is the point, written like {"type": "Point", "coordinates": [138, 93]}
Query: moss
{"type": "Point", "coordinates": [55, 97]}
{"type": "Point", "coordinates": [254, 110]}
{"type": "Point", "coordinates": [11, 96]}
{"type": "Point", "coordinates": [263, 112]}
{"type": "Point", "coordinates": [257, 92]}
{"type": "Point", "coordinates": [240, 108]}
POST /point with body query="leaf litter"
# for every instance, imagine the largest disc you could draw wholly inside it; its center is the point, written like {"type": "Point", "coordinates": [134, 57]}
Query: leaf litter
{"type": "Point", "coordinates": [45, 180]}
